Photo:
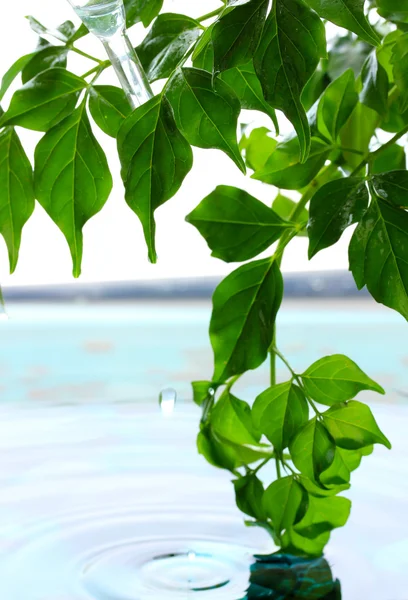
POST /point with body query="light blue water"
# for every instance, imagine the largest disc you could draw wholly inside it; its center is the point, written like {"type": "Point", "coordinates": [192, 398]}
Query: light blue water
{"type": "Point", "coordinates": [95, 481]}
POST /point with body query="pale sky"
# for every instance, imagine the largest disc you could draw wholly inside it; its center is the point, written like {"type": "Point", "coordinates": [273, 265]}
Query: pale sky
{"type": "Point", "coordinates": [114, 247]}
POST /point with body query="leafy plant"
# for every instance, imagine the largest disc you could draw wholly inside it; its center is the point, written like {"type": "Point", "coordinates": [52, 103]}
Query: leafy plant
{"type": "Point", "coordinates": [347, 102]}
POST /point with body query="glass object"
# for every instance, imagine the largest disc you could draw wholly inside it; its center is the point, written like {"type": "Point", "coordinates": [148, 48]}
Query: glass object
{"type": "Point", "coordinates": [106, 20]}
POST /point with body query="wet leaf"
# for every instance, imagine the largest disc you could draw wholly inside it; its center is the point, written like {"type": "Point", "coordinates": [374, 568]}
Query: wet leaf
{"type": "Point", "coordinates": [166, 43]}
{"type": "Point", "coordinates": [47, 58]}
{"type": "Point", "coordinates": [236, 34]}
{"type": "Point", "coordinates": [109, 107]}
{"type": "Point", "coordinates": [348, 14]}
{"type": "Point", "coordinates": [236, 225]}
{"type": "Point", "coordinates": [143, 11]}
{"type": "Point", "coordinates": [245, 304]}
{"type": "Point", "coordinates": [245, 83]}
{"type": "Point", "coordinates": [206, 115]}
{"type": "Point", "coordinates": [291, 46]}
{"type": "Point", "coordinates": [155, 159]}
{"type": "Point", "coordinates": [334, 207]}
{"type": "Point", "coordinates": [16, 192]}
{"type": "Point", "coordinates": [69, 187]}
{"type": "Point", "coordinates": [392, 187]}
{"type": "Point", "coordinates": [45, 100]}
{"type": "Point", "coordinates": [378, 254]}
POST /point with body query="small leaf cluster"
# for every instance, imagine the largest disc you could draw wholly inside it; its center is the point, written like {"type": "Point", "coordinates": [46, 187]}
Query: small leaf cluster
{"type": "Point", "coordinates": [312, 428]}
{"type": "Point", "coordinates": [341, 164]}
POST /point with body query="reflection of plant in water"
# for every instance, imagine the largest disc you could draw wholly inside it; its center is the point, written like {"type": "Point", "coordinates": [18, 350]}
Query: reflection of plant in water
{"type": "Point", "coordinates": [286, 577]}
{"type": "Point", "coordinates": [339, 162]}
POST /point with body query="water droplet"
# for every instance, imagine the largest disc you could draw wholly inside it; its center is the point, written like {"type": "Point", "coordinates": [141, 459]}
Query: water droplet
{"type": "Point", "coordinates": [167, 401]}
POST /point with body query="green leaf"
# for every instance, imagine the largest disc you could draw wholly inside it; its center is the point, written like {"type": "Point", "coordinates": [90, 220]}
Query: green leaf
{"type": "Point", "coordinates": [393, 11]}
{"type": "Point", "coordinates": [284, 170]}
{"type": "Point", "coordinates": [258, 147]}
{"type": "Point", "coordinates": [12, 73]}
{"type": "Point", "coordinates": [316, 85]}
{"type": "Point", "coordinates": [245, 83]}
{"type": "Point", "coordinates": [236, 225]}
{"type": "Point", "coordinates": [47, 58]}
{"type": "Point", "coordinates": [81, 32]}
{"type": "Point", "coordinates": [45, 100]}
{"type": "Point", "coordinates": [216, 452]}
{"type": "Point", "coordinates": [231, 419]}
{"type": "Point", "coordinates": [155, 159]}
{"type": "Point", "coordinates": [385, 51]}
{"type": "Point", "coordinates": [348, 14]}
{"type": "Point", "coordinates": [201, 391]}
{"type": "Point", "coordinates": [236, 34]}
{"type": "Point", "coordinates": [337, 104]}
{"type": "Point", "coordinates": [245, 305]}
{"type": "Point", "coordinates": [332, 488]}
{"type": "Point", "coordinates": [391, 158]}
{"type": "Point", "coordinates": [336, 378]}
{"type": "Point", "coordinates": [279, 412]}
{"type": "Point", "coordinates": [249, 492]}
{"type": "Point", "coordinates": [294, 543]}
{"type": "Point", "coordinates": [323, 515]}
{"type": "Point", "coordinates": [16, 192]}
{"type": "Point", "coordinates": [312, 450]}
{"type": "Point", "coordinates": [143, 11]}
{"type": "Point", "coordinates": [67, 28]}
{"type": "Point", "coordinates": [344, 462]}
{"type": "Point", "coordinates": [353, 426]}
{"type": "Point", "coordinates": [109, 107]}
{"type": "Point", "coordinates": [375, 85]}
{"type": "Point", "coordinates": [357, 133]}
{"type": "Point", "coordinates": [333, 208]}
{"type": "Point", "coordinates": [166, 43]}
{"type": "Point", "coordinates": [400, 66]}
{"type": "Point", "coordinates": [392, 186]}
{"type": "Point", "coordinates": [72, 178]}
{"type": "Point", "coordinates": [206, 115]}
{"type": "Point", "coordinates": [203, 55]}
{"type": "Point", "coordinates": [378, 255]}
{"type": "Point", "coordinates": [291, 46]}
{"type": "Point", "coordinates": [36, 26]}
{"type": "Point", "coordinates": [283, 503]}
{"type": "Point", "coordinates": [347, 52]}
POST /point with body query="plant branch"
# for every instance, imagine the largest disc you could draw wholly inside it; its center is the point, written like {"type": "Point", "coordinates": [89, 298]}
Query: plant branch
{"type": "Point", "coordinates": [298, 381]}
{"type": "Point", "coordinates": [85, 54]}
{"type": "Point", "coordinates": [372, 155]}
{"type": "Point", "coordinates": [211, 14]}
{"type": "Point", "coordinates": [98, 69]}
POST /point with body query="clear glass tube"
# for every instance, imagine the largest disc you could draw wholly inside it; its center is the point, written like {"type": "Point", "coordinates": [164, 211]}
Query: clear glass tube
{"type": "Point", "coordinates": [106, 20]}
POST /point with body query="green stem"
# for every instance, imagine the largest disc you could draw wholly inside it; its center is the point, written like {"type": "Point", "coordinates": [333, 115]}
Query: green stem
{"type": "Point", "coordinates": [85, 55]}
{"type": "Point", "coordinates": [261, 465]}
{"type": "Point", "coordinates": [351, 150]}
{"type": "Point", "coordinates": [211, 14]}
{"type": "Point", "coordinates": [231, 382]}
{"type": "Point", "coordinates": [372, 155]}
{"type": "Point", "coordinates": [298, 381]}
{"type": "Point", "coordinates": [98, 69]}
{"type": "Point", "coordinates": [278, 468]}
